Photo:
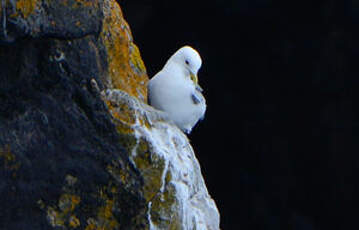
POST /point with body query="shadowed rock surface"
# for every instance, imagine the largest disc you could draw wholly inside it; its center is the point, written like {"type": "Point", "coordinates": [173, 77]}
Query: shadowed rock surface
{"type": "Point", "coordinates": [79, 148]}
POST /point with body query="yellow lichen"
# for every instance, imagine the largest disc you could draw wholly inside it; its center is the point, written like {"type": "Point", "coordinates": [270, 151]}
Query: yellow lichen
{"type": "Point", "coordinates": [25, 7]}
{"type": "Point", "coordinates": [106, 211]}
{"type": "Point", "coordinates": [125, 67]}
{"type": "Point", "coordinates": [121, 175]}
{"type": "Point", "coordinates": [122, 112]}
{"type": "Point", "coordinates": [161, 210]}
{"type": "Point", "coordinates": [91, 224]}
{"type": "Point", "coordinates": [135, 59]}
{"type": "Point", "coordinates": [123, 118]}
{"type": "Point", "coordinates": [63, 212]}
{"type": "Point", "coordinates": [55, 218]}
{"type": "Point", "coordinates": [68, 202]}
{"type": "Point", "coordinates": [152, 168]}
{"type": "Point", "coordinates": [74, 222]}
{"type": "Point", "coordinates": [105, 220]}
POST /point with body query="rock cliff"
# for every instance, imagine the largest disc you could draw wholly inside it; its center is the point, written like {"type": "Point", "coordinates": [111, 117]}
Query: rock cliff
{"type": "Point", "coordinates": [79, 146]}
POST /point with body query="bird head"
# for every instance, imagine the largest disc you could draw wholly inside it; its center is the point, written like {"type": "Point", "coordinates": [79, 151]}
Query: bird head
{"type": "Point", "coordinates": [190, 61]}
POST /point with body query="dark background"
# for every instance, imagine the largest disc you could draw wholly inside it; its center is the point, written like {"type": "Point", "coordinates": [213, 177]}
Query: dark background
{"type": "Point", "coordinates": [280, 142]}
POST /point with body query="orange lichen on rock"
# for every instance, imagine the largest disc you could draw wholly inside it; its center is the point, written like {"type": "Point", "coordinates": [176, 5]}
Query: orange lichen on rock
{"type": "Point", "coordinates": [86, 3]}
{"type": "Point", "coordinates": [122, 118]}
{"type": "Point", "coordinates": [74, 222]}
{"type": "Point", "coordinates": [125, 66]}
{"type": "Point", "coordinates": [122, 112]}
{"type": "Point", "coordinates": [67, 202]}
{"type": "Point", "coordinates": [153, 165]}
{"type": "Point", "coordinates": [25, 7]}
{"type": "Point", "coordinates": [125, 115]}
{"type": "Point", "coordinates": [91, 224]}
{"type": "Point", "coordinates": [106, 214]}
{"type": "Point", "coordinates": [105, 220]}
{"type": "Point", "coordinates": [62, 214]}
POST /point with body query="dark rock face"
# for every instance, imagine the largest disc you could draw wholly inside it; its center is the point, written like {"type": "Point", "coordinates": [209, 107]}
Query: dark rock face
{"type": "Point", "coordinates": [60, 154]}
{"type": "Point", "coordinates": [52, 127]}
{"type": "Point", "coordinates": [61, 19]}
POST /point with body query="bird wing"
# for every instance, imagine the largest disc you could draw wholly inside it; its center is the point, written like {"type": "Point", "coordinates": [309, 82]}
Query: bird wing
{"type": "Point", "coordinates": [195, 99]}
{"type": "Point", "coordinates": [199, 88]}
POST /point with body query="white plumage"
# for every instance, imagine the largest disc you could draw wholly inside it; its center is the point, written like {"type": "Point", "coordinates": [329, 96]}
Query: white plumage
{"type": "Point", "coordinates": [175, 89]}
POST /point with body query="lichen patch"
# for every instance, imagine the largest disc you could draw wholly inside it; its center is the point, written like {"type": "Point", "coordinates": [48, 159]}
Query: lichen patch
{"type": "Point", "coordinates": [25, 7]}
{"type": "Point", "coordinates": [126, 69]}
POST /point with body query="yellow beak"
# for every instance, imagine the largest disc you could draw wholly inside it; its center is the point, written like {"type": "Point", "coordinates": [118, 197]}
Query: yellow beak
{"type": "Point", "coordinates": [194, 78]}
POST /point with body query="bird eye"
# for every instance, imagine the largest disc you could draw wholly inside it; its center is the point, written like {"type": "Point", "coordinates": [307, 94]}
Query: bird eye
{"type": "Point", "coordinates": [187, 62]}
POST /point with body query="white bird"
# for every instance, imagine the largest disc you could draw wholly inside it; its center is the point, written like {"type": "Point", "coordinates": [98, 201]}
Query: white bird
{"type": "Point", "coordinates": [175, 89]}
